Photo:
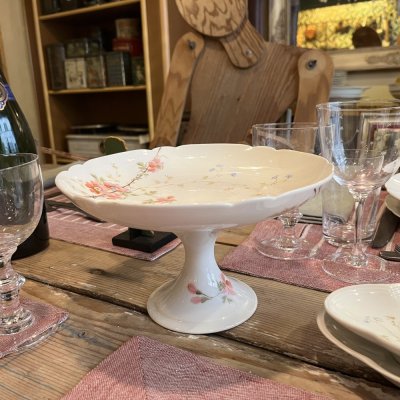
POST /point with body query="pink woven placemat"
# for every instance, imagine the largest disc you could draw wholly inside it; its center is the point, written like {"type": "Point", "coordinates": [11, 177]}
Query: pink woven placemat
{"type": "Point", "coordinates": [145, 369]}
{"type": "Point", "coordinates": [49, 317]}
{"type": "Point", "coordinates": [73, 227]}
{"type": "Point", "coordinates": [305, 273]}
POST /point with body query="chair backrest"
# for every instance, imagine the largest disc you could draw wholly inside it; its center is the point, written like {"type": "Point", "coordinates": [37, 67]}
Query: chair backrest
{"type": "Point", "coordinates": [232, 78]}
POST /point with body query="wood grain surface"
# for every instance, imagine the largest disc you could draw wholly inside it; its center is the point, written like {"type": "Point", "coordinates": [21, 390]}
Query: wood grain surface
{"type": "Point", "coordinates": [96, 328]}
{"type": "Point", "coordinates": [284, 323]}
{"type": "Point", "coordinates": [215, 18]}
{"type": "Point", "coordinates": [244, 46]}
{"type": "Point", "coordinates": [237, 80]}
{"type": "Point", "coordinates": [173, 102]}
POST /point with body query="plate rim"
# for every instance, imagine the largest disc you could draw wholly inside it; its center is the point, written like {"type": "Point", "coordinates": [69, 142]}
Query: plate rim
{"type": "Point", "coordinates": [393, 181]}
{"type": "Point", "coordinates": [59, 180]}
{"type": "Point", "coordinates": [361, 331]}
{"type": "Point", "coordinates": [367, 359]}
{"type": "Point", "coordinates": [390, 207]}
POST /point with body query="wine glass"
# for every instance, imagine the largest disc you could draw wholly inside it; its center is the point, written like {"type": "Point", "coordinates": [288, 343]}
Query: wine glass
{"type": "Point", "coordinates": [364, 149]}
{"type": "Point", "coordinates": [21, 198]}
{"type": "Point", "coordinates": [300, 136]}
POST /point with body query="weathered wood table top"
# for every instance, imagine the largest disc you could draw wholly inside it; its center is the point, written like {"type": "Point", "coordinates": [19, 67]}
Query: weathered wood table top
{"type": "Point", "coordinates": [106, 294]}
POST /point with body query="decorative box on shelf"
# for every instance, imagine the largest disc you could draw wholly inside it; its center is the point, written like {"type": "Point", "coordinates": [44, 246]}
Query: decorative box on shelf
{"type": "Point", "coordinates": [92, 145]}
{"type": "Point", "coordinates": [55, 54]}
{"type": "Point", "coordinates": [50, 6]}
{"type": "Point", "coordinates": [82, 47]}
{"type": "Point", "coordinates": [75, 73]}
{"type": "Point", "coordinates": [119, 68]}
{"type": "Point", "coordinates": [127, 28]}
{"type": "Point", "coordinates": [66, 5]}
{"type": "Point", "coordinates": [138, 72]}
{"type": "Point", "coordinates": [96, 71]}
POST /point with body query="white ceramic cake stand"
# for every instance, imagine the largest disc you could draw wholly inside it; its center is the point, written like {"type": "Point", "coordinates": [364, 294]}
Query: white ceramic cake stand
{"type": "Point", "coordinates": [194, 191]}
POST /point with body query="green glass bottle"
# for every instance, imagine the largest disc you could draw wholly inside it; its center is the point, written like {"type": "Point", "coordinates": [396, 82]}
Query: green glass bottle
{"type": "Point", "coordinates": [16, 137]}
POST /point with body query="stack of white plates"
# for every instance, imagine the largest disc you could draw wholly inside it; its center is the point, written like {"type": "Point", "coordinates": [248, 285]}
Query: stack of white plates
{"type": "Point", "coordinates": [364, 321]}
{"type": "Point", "coordinates": [346, 92]}
{"type": "Point", "coordinates": [395, 90]}
{"type": "Point", "coordinates": [393, 186]}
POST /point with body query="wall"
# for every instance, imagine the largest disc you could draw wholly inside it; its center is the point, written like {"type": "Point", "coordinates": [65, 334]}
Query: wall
{"type": "Point", "coordinates": [17, 56]}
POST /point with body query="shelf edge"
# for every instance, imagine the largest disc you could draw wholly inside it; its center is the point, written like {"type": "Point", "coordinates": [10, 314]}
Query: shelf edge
{"type": "Point", "coordinates": [87, 10]}
{"type": "Point", "coordinates": [98, 90]}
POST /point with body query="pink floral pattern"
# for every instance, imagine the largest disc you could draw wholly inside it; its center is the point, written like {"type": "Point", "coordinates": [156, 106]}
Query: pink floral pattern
{"type": "Point", "coordinates": [126, 182]}
{"type": "Point", "coordinates": [109, 190]}
{"type": "Point", "coordinates": [161, 200]}
{"type": "Point", "coordinates": [225, 289]}
{"type": "Point", "coordinates": [152, 166]}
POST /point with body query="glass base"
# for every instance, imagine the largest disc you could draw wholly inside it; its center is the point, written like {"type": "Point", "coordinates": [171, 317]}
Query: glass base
{"type": "Point", "coordinates": [343, 236]}
{"type": "Point", "coordinates": [45, 320]}
{"type": "Point", "coordinates": [16, 323]}
{"type": "Point", "coordinates": [286, 248]}
{"type": "Point", "coordinates": [344, 268]}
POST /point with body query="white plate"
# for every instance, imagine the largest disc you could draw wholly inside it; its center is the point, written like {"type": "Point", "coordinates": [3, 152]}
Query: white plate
{"type": "Point", "coordinates": [393, 186]}
{"type": "Point", "coordinates": [371, 311]}
{"type": "Point", "coordinates": [370, 354]}
{"type": "Point", "coordinates": [351, 92]}
{"type": "Point", "coordinates": [393, 205]}
{"type": "Point", "coordinates": [395, 90]}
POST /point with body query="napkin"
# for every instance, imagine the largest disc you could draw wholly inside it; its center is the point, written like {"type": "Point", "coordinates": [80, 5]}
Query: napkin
{"type": "Point", "coordinates": [146, 369]}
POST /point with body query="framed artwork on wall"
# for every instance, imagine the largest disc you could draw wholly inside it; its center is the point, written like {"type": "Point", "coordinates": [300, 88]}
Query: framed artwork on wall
{"type": "Point", "coordinates": [284, 27]}
{"type": "Point", "coordinates": [279, 21]}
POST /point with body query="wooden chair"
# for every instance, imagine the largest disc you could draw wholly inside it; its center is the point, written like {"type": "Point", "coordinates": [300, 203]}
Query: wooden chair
{"type": "Point", "coordinates": [233, 79]}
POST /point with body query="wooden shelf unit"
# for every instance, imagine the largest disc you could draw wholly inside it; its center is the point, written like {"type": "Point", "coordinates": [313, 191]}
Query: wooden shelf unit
{"type": "Point", "coordinates": [62, 109]}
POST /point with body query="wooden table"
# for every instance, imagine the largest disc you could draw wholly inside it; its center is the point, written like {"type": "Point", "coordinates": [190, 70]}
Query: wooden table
{"type": "Point", "coordinates": [106, 296]}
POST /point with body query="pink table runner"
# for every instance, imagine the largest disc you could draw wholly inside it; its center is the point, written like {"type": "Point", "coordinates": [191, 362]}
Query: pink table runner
{"type": "Point", "coordinates": [146, 369]}
{"type": "Point", "coordinates": [306, 273]}
{"type": "Point", "coordinates": [73, 227]}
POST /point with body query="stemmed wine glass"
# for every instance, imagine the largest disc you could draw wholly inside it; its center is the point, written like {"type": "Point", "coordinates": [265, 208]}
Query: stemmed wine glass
{"type": "Point", "coordinates": [295, 136]}
{"type": "Point", "coordinates": [21, 199]}
{"type": "Point", "coordinates": [364, 149]}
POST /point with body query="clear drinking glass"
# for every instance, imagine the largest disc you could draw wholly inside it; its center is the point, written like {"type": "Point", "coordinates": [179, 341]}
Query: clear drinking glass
{"type": "Point", "coordinates": [21, 199]}
{"type": "Point", "coordinates": [364, 150]}
{"type": "Point", "coordinates": [295, 136]}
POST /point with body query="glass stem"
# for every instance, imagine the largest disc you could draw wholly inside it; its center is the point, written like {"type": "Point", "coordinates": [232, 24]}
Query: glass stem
{"type": "Point", "coordinates": [289, 221]}
{"type": "Point", "coordinates": [358, 248]}
{"type": "Point", "coordinates": [14, 317]}
{"type": "Point", "coordinates": [288, 227]}
{"type": "Point", "coordinates": [288, 239]}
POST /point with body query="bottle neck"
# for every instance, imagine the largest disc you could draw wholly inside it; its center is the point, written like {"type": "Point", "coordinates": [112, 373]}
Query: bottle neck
{"type": "Point", "coordinates": [5, 91]}
{"type": "Point", "coordinates": [4, 96]}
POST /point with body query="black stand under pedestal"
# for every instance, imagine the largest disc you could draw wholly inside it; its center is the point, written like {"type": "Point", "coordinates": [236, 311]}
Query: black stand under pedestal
{"type": "Point", "coordinates": [138, 239]}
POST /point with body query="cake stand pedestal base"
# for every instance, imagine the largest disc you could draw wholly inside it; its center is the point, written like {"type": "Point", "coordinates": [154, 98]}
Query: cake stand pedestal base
{"type": "Point", "coordinates": [202, 299]}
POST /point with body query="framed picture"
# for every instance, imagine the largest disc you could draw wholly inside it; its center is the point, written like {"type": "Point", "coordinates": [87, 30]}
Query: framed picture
{"type": "Point", "coordinates": [286, 24]}
{"type": "Point", "coordinates": [379, 131]}
{"type": "Point", "coordinates": [279, 21]}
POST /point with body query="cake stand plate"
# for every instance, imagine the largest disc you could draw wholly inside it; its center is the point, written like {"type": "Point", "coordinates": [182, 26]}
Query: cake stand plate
{"type": "Point", "coordinates": [194, 191]}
